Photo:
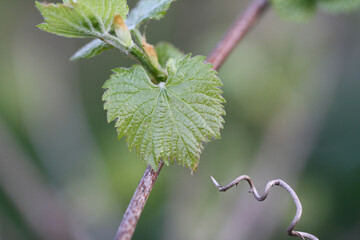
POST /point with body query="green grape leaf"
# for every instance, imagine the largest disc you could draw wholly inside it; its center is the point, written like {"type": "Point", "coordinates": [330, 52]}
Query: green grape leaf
{"type": "Point", "coordinates": [169, 121]}
{"type": "Point", "coordinates": [81, 18]}
{"type": "Point", "coordinates": [91, 49]}
{"type": "Point", "coordinates": [337, 6]}
{"type": "Point", "coordinates": [145, 9]}
{"type": "Point", "coordinates": [295, 10]}
{"type": "Point", "coordinates": [165, 51]}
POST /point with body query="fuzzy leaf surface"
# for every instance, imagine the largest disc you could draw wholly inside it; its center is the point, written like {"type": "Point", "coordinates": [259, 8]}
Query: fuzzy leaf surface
{"type": "Point", "coordinates": [144, 10]}
{"type": "Point", "coordinates": [81, 18]}
{"type": "Point", "coordinates": [169, 121]}
{"type": "Point", "coordinates": [147, 9]}
{"type": "Point", "coordinates": [91, 49]}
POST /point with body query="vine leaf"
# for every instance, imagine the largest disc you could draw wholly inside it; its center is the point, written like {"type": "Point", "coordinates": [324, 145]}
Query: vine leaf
{"type": "Point", "coordinates": [147, 9]}
{"type": "Point", "coordinates": [81, 18]}
{"type": "Point", "coordinates": [144, 10]}
{"type": "Point", "coordinates": [169, 121]}
{"type": "Point", "coordinates": [91, 49]}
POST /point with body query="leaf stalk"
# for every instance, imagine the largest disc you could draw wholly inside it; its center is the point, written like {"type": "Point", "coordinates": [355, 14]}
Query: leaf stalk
{"type": "Point", "coordinates": [145, 61]}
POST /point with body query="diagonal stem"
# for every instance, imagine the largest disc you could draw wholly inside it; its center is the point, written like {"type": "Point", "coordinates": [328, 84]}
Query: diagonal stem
{"type": "Point", "coordinates": [137, 203]}
{"type": "Point", "coordinates": [237, 31]}
{"type": "Point", "coordinates": [144, 60]}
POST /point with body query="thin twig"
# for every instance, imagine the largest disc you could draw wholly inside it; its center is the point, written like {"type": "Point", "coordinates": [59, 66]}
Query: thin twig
{"type": "Point", "coordinates": [236, 32]}
{"type": "Point", "coordinates": [137, 203]}
{"type": "Point", "coordinates": [277, 182]}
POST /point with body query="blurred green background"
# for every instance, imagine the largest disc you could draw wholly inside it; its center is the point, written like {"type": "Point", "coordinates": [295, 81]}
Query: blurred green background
{"type": "Point", "coordinates": [293, 113]}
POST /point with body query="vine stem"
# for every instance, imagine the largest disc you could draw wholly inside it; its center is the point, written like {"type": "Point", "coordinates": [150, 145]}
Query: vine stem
{"type": "Point", "coordinates": [137, 203]}
{"type": "Point", "coordinates": [145, 61]}
{"type": "Point", "coordinates": [277, 182]}
{"type": "Point", "coordinates": [237, 31]}
{"type": "Point", "coordinates": [217, 57]}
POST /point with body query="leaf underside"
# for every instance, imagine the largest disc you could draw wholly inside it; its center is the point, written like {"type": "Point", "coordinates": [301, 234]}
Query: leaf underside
{"type": "Point", "coordinates": [147, 9]}
{"type": "Point", "coordinates": [169, 121]}
{"type": "Point", "coordinates": [91, 49]}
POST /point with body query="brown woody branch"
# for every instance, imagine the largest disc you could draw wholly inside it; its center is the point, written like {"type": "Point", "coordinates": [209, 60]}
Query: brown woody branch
{"type": "Point", "coordinates": [137, 203]}
{"type": "Point", "coordinates": [237, 31]}
{"type": "Point", "coordinates": [277, 182]}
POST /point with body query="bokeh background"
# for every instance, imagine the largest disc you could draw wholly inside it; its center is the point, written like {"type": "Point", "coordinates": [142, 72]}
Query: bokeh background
{"type": "Point", "coordinates": [293, 112]}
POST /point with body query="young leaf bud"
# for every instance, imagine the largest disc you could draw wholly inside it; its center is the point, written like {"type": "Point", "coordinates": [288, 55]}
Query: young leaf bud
{"type": "Point", "coordinates": [122, 32]}
{"type": "Point", "coordinates": [150, 50]}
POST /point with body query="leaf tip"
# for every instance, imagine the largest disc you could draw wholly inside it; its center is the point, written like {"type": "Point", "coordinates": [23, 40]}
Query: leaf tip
{"type": "Point", "coordinates": [74, 58]}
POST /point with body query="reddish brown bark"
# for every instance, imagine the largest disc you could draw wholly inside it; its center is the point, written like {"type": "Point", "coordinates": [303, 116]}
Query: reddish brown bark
{"type": "Point", "coordinates": [137, 203]}
{"type": "Point", "coordinates": [236, 32]}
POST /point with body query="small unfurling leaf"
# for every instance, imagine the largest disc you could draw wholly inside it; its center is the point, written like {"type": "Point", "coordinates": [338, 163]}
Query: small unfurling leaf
{"type": "Point", "coordinates": [150, 51]}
